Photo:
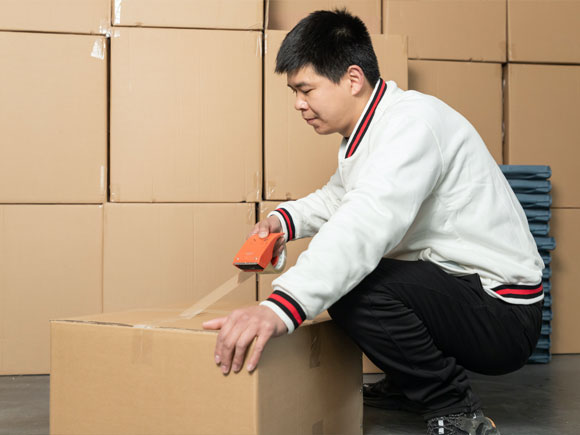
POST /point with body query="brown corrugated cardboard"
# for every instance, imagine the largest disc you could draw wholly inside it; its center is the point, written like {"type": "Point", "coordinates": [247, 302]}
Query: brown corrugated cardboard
{"type": "Point", "coordinates": [67, 16]}
{"type": "Point", "coordinates": [541, 122]}
{"type": "Point", "coordinates": [53, 118]}
{"type": "Point", "coordinates": [544, 31]}
{"type": "Point", "coordinates": [50, 266]}
{"type": "Point", "coordinates": [164, 254]}
{"type": "Point", "coordinates": [285, 14]}
{"type": "Point", "coordinates": [288, 139]}
{"type": "Point", "coordinates": [186, 115]}
{"type": "Point", "coordinates": [212, 14]}
{"type": "Point", "coordinates": [114, 374]}
{"type": "Point", "coordinates": [565, 278]}
{"type": "Point", "coordinates": [449, 29]}
{"type": "Point", "coordinates": [474, 89]}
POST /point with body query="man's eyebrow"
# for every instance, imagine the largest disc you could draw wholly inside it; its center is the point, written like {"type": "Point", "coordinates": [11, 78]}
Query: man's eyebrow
{"type": "Point", "coordinates": [298, 85]}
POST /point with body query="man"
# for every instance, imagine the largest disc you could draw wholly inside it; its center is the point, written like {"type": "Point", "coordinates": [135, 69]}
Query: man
{"type": "Point", "coordinates": [421, 251]}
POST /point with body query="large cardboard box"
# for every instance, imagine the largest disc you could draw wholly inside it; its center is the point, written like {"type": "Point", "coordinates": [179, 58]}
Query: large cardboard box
{"type": "Point", "coordinates": [167, 254]}
{"type": "Point", "coordinates": [474, 89]}
{"type": "Point", "coordinates": [449, 29]}
{"type": "Point", "coordinates": [298, 161]}
{"type": "Point", "coordinates": [67, 16]}
{"type": "Point", "coordinates": [565, 224]}
{"type": "Point", "coordinates": [542, 107]}
{"type": "Point", "coordinates": [50, 267]}
{"type": "Point", "coordinates": [212, 14]}
{"type": "Point", "coordinates": [285, 14]}
{"type": "Point", "coordinates": [544, 31]}
{"type": "Point", "coordinates": [150, 372]}
{"type": "Point", "coordinates": [186, 115]}
{"type": "Point", "coordinates": [53, 118]}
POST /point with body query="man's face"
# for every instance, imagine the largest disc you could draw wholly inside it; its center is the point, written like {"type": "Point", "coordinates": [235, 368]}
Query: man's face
{"type": "Point", "coordinates": [323, 104]}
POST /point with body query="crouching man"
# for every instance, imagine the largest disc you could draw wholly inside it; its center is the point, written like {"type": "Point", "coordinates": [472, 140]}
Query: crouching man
{"type": "Point", "coordinates": [421, 251]}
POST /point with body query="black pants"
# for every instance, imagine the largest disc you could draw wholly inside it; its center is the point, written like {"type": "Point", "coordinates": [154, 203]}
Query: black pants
{"type": "Point", "coordinates": [424, 327]}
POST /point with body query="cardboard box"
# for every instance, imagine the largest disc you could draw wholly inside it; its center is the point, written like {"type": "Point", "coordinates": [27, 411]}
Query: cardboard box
{"type": "Point", "coordinates": [166, 254]}
{"type": "Point", "coordinates": [186, 115]}
{"type": "Point", "coordinates": [474, 89]}
{"type": "Point", "coordinates": [53, 118]}
{"type": "Point", "coordinates": [542, 106]}
{"type": "Point", "coordinates": [544, 31]}
{"type": "Point", "coordinates": [565, 278]}
{"type": "Point", "coordinates": [449, 29]}
{"type": "Point", "coordinates": [113, 374]}
{"type": "Point", "coordinates": [50, 267]}
{"type": "Point", "coordinates": [211, 14]}
{"type": "Point", "coordinates": [67, 16]}
{"type": "Point", "coordinates": [288, 139]}
{"type": "Point", "coordinates": [285, 14]}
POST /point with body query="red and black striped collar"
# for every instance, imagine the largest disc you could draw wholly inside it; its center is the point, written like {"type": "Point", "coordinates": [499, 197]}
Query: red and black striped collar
{"type": "Point", "coordinates": [365, 120]}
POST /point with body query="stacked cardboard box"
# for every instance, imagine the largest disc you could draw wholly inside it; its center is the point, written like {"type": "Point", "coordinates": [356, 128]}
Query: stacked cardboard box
{"type": "Point", "coordinates": [53, 171]}
{"type": "Point", "coordinates": [455, 53]}
{"type": "Point", "coordinates": [532, 187]}
{"type": "Point", "coordinates": [542, 103]}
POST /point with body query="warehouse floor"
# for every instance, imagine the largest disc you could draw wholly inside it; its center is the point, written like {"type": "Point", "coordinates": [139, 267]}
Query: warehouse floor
{"type": "Point", "coordinates": [538, 399]}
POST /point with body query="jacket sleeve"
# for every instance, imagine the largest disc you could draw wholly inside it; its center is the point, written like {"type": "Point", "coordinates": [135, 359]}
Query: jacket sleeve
{"type": "Point", "coordinates": [404, 166]}
{"type": "Point", "coordinates": [304, 217]}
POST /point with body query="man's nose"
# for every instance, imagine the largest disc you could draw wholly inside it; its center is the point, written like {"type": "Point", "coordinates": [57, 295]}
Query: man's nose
{"type": "Point", "coordinates": [300, 103]}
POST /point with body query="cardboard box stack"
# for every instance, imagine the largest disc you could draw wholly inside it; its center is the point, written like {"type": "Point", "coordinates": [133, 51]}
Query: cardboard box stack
{"type": "Point", "coordinates": [532, 187]}
{"type": "Point", "coordinates": [456, 49]}
{"type": "Point", "coordinates": [542, 107]}
{"type": "Point", "coordinates": [53, 171]}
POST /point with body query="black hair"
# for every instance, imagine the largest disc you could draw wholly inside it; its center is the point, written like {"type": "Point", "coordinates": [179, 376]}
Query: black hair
{"type": "Point", "coordinates": [329, 41]}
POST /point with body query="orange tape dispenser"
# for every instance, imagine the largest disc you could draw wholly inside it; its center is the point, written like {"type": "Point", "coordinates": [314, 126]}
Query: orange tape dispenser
{"type": "Point", "coordinates": [257, 255]}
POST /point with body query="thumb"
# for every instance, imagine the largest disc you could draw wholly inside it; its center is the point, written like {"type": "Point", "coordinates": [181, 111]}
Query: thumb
{"type": "Point", "coordinates": [214, 323]}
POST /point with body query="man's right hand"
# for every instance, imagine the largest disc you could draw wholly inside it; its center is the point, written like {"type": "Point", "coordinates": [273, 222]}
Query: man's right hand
{"type": "Point", "coordinates": [270, 225]}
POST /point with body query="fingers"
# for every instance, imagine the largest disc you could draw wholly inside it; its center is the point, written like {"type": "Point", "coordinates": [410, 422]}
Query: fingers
{"type": "Point", "coordinates": [241, 346]}
{"type": "Point", "coordinates": [214, 323]}
{"type": "Point", "coordinates": [258, 349]}
{"type": "Point", "coordinates": [279, 246]}
{"type": "Point", "coordinates": [262, 228]}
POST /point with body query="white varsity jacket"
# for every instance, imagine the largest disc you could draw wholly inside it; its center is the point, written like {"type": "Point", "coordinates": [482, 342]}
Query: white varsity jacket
{"type": "Point", "coordinates": [414, 182]}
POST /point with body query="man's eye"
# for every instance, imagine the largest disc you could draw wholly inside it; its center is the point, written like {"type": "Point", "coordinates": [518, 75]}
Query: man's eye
{"type": "Point", "coordinates": [307, 92]}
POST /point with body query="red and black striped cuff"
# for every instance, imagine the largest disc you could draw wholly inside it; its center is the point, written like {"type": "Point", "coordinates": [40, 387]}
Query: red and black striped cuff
{"type": "Point", "coordinates": [366, 120]}
{"type": "Point", "coordinates": [290, 307]}
{"type": "Point", "coordinates": [519, 291]}
{"type": "Point", "coordinates": [287, 218]}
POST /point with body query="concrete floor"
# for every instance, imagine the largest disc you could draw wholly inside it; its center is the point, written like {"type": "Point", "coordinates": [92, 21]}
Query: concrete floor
{"type": "Point", "coordinates": [538, 399]}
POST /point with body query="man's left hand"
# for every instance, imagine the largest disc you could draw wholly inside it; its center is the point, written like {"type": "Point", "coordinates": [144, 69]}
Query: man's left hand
{"type": "Point", "coordinates": [238, 330]}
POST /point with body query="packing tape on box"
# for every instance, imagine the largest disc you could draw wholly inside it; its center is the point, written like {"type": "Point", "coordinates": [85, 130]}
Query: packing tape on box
{"type": "Point", "coordinates": [201, 306]}
{"type": "Point", "coordinates": [216, 294]}
{"type": "Point", "coordinates": [105, 27]}
{"type": "Point", "coordinates": [142, 344]}
{"type": "Point", "coordinates": [99, 48]}
{"type": "Point", "coordinates": [315, 346]}
{"type": "Point", "coordinates": [117, 12]}
{"type": "Point", "coordinates": [259, 46]}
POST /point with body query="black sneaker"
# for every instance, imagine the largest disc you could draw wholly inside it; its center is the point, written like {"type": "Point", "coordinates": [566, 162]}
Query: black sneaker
{"type": "Point", "coordinates": [384, 395]}
{"type": "Point", "coordinates": [462, 424]}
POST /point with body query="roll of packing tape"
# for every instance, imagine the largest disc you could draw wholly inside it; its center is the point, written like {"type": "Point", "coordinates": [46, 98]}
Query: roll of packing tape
{"type": "Point", "coordinates": [279, 266]}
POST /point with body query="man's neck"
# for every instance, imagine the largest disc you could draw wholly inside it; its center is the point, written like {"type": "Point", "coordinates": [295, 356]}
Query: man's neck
{"type": "Point", "coordinates": [360, 103]}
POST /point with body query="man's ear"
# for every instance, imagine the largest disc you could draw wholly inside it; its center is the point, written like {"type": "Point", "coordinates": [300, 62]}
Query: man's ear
{"type": "Point", "coordinates": [357, 79]}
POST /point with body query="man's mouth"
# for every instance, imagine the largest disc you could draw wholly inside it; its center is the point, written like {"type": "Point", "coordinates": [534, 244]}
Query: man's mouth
{"type": "Point", "coordinates": [309, 120]}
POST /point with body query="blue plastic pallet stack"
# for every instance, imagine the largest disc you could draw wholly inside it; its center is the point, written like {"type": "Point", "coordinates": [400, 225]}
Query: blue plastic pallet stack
{"type": "Point", "coordinates": [532, 186]}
